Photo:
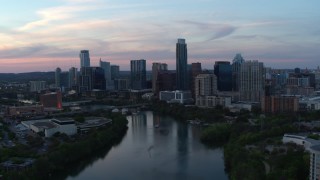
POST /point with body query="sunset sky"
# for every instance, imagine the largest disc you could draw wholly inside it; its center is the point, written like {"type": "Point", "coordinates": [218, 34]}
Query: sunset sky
{"type": "Point", "coordinates": [40, 35]}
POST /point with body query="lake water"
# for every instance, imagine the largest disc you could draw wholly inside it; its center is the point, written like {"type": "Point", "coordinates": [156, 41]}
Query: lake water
{"type": "Point", "coordinates": [158, 147]}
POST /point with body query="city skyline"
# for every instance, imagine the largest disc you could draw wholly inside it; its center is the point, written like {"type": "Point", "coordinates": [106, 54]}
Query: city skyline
{"type": "Point", "coordinates": [51, 33]}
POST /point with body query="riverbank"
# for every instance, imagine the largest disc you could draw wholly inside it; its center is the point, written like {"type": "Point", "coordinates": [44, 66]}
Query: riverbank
{"type": "Point", "coordinates": [53, 164]}
{"type": "Point", "coordinates": [252, 143]}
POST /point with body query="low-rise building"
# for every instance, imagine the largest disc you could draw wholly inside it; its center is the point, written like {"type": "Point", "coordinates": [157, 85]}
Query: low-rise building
{"type": "Point", "coordinates": [182, 97]}
{"type": "Point", "coordinates": [279, 104]}
{"type": "Point", "coordinates": [213, 101]}
{"type": "Point", "coordinates": [92, 123]}
{"type": "Point", "coordinates": [52, 126]}
{"type": "Point", "coordinates": [25, 110]}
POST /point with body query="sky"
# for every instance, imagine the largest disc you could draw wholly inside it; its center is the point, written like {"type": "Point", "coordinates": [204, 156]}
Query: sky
{"type": "Point", "coordinates": [41, 35]}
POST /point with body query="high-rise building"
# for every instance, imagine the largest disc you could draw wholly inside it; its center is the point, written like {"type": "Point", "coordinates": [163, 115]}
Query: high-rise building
{"type": "Point", "coordinates": [223, 71]}
{"type": "Point", "coordinates": [252, 81]}
{"type": "Point", "coordinates": [107, 73]}
{"type": "Point", "coordinates": [138, 74]}
{"type": "Point", "coordinates": [84, 58]}
{"type": "Point", "coordinates": [58, 77]}
{"type": "Point", "coordinates": [73, 77]}
{"type": "Point", "coordinates": [156, 69]}
{"type": "Point", "coordinates": [115, 70]}
{"type": "Point", "coordinates": [181, 65]}
{"type": "Point", "coordinates": [205, 85]}
{"type": "Point", "coordinates": [166, 81]}
{"type": "Point", "coordinates": [195, 71]}
{"type": "Point", "coordinates": [121, 84]}
{"type": "Point", "coordinates": [91, 78]}
{"type": "Point", "coordinates": [236, 63]}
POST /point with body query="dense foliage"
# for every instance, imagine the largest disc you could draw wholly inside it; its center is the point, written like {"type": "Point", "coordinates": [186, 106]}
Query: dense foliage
{"type": "Point", "coordinates": [71, 153]}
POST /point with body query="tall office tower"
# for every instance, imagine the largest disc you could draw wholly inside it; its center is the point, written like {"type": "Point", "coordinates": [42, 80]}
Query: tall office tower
{"type": "Point", "coordinates": [252, 81]}
{"type": "Point", "coordinates": [73, 77]}
{"type": "Point", "coordinates": [181, 65]}
{"type": "Point", "coordinates": [195, 71]}
{"type": "Point", "coordinates": [84, 58]}
{"type": "Point", "coordinates": [91, 78]}
{"type": "Point", "coordinates": [58, 77]}
{"type": "Point", "coordinates": [138, 74]}
{"type": "Point", "coordinates": [236, 63]}
{"type": "Point", "coordinates": [223, 71]}
{"type": "Point", "coordinates": [107, 73]}
{"type": "Point", "coordinates": [115, 71]}
{"type": "Point", "coordinates": [156, 69]}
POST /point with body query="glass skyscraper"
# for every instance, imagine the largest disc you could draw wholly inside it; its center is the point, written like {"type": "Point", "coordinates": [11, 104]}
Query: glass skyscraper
{"type": "Point", "coordinates": [84, 58]}
{"type": "Point", "coordinates": [181, 65]}
{"type": "Point", "coordinates": [223, 71]}
{"type": "Point", "coordinates": [138, 74]}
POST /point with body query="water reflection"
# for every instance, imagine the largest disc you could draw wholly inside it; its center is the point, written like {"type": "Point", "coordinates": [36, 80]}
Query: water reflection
{"type": "Point", "coordinates": [158, 147]}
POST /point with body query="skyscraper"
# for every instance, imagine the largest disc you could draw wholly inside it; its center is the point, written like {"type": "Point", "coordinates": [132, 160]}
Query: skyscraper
{"type": "Point", "coordinates": [107, 72]}
{"type": "Point", "coordinates": [73, 77]}
{"type": "Point", "coordinates": [205, 85]}
{"type": "Point", "coordinates": [236, 63]}
{"type": "Point", "coordinates": [84, 58]}
{"type": "Point", "coordinates": [58, 77]}
{"type": "Point", "coordinates": [181, 65]}
{"type": "Point", "coordinates": [252, 80]}
{"type": "Point", "coordinates": [223, 71]}
{"type": "Point", "coordinates": [115, 69]}
{"type": "Point", "coordinates": [195, 71]}
{"type": "Point", "coordinates": [156, 68]}
{"type": "Point", "coordinates": [91, 78]}
{"type": "Point", "coordinates": [138, 74]}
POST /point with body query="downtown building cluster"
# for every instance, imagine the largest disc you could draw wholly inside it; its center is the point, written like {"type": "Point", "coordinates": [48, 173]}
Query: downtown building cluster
{"type": "Point", "coordinates": [236, 84]}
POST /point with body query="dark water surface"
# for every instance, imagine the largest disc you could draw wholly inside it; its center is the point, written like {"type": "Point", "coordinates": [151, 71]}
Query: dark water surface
{"type": "Point", "coordinates": [157, 147]}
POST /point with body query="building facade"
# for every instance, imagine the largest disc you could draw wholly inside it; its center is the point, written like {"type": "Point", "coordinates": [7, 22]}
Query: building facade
{"type": "Point", "coordinates": [252, 81]}
{"type": "Point", "coordinates": [223, 71]}
{"type": "Point", "coordinates": [73, 77]}
{"type": "Point", "coordinates": [58, 77]}
{"type": "Point", "coordinates": [138, 74]}
{"type": "Point", "coordinates": [279, 104]}
{"type": "Point", "coordinates": [156, 69]}
{"type": "Point", "coordinates": [84, 58]}
{"type": "Point", "coordinates": [205, 86]}
{"type": "Point", "coordinates": [236, 64]}
{"type": "Point", "coordinates": [182, 97]}
{"type": "Point", "coordinates": [91, 78]}
{"type": "Point", "coordinates": [51, 100]}
{"type": "Point", "coordinates": [107, 72]}
{"type": "Point", "coordinates": [181, 65]}
{"type": "Point", "coordinates": [37, 86]}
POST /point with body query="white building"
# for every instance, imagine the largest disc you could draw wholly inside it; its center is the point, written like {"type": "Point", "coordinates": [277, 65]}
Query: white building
{"type": "Point", "coordinates": [252, 81]}
{"type": "Point", "coordinates": [51, 126]}
{"type": "Point", "coordinates": [212, 101]}
{"type": "Point", "coordinates": [312, 146]}
{"type": "Point", "coordinates": [182, 97]}
{"type": "Point", "coordinates": [37, 86]}
{"type": "Point", "coordinates": [314, 162]}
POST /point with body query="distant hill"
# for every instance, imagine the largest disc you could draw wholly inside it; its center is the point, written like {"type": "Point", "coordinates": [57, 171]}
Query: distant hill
{"type": "Point", "coordinates": [26, 77]}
